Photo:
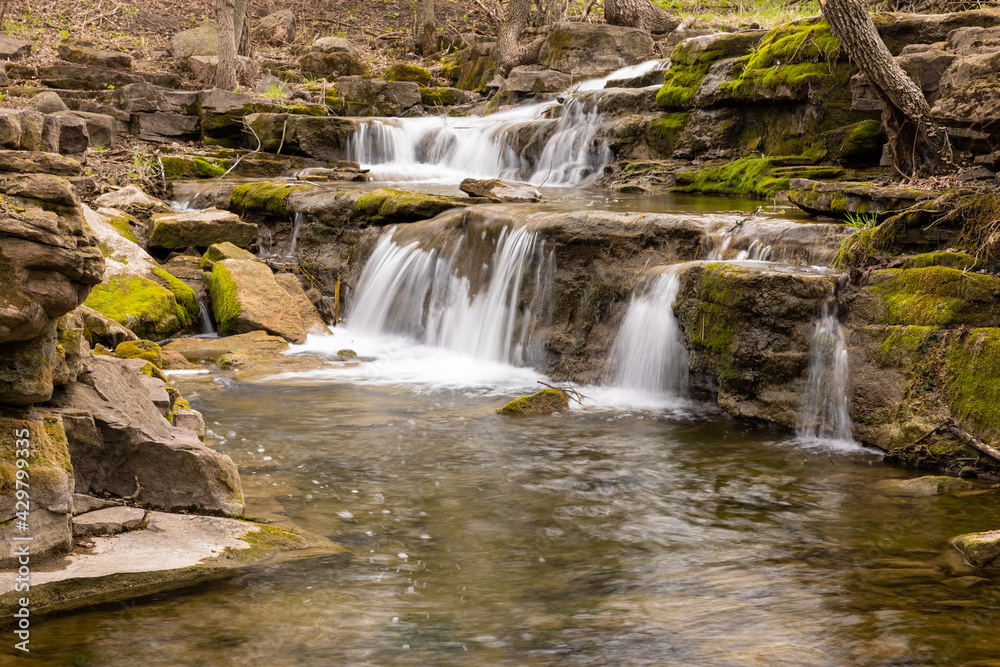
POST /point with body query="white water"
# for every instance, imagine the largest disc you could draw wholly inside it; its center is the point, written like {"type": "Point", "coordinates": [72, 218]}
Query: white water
{"type": "Point", "coordinates": [824, 415]}
{"type": "Point", "coordinates": [296, 226]}
{"type": "Point", "coordinates": [649, 354]}
{"type": "Point", "coordinates": [419, 293]}
{"type": "Point", "coordinates": [206, 319]}
{"type": "Point", "coordinates": [442, 149]}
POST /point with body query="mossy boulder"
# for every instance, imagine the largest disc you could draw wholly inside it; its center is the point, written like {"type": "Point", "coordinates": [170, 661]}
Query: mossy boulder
{"type": "Point", "coordinates": [265, 198]}
{"type": "Point", "coordinates": [200, 229]}
{"type": "Point", "coordinates": [408, 72]}
{"type": "Point", "coordinates": [193, 166]}
{"type": "Point", "coordinates": [858, 144]}
{"type": "Point", "coordinates": [544, 402]}
{"type": "Point", "coordinates": [750, 177]}
{"type": "Point", "coordinates": [952, 260]}
{"type": "Point", "coordinates": [929, 485]}
{"type": "Point", "coordinates": [980, 549]}
{"type": "Point", "coordinates": [594, 49]}
{"type": "Point", "coordinates": [140, 349]}
{"type": "Point", "coordinates": [929, 296]}
{"type": "Point", "coordinates": [246, 297]}
{"type": "Point", "coordinates": [389, 206]}
{"type": "Point", "coordinates": [837, 200]}
{"type": "Point", "coordinates": [474, 67]}
{"type": "Point", "coordinates": [442, 96]}
{"type": "Point", "coordinates": [150, 310]}
{"type": "Point", "coordinates": [220, 251]}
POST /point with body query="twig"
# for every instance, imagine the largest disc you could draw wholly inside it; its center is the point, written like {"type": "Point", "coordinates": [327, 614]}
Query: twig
{"type": "Point", "coordinates": [256, 150]}
{"type": "Point", "coordinates": [568, 391]}
{"type": "Point", "coordinates": [284, 127]}
{"type": "Point", "coordinates": [138, 488]}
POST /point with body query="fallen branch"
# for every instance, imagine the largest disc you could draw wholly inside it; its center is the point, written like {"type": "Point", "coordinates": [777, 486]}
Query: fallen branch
{"type": "Point", "coordinates": [138, 488]}
{"type": "Point", "coordinates": [256, 150]}
{"type": "Point", "coordinates": [966, 438]}
{"type": "Point", "coordinates": [568, 391]}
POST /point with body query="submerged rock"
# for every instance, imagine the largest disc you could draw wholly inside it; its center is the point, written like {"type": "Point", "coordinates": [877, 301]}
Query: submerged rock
{"type": "Point", "coordinates": [544, 402]}
{"type": "Point", "coordinates": [980, 549]}
{"type": "Point", "coordinates": [500, 189]}
{"type": "Point", "coordinates": [923, 486]}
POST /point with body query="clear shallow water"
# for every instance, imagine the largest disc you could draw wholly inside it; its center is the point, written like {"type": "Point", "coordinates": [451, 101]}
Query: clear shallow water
{"type": "Point", "coordinates": [596, 537]}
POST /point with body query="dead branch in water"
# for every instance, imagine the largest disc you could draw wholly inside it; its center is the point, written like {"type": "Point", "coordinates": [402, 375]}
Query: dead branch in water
{"type": "Point", "coordinates": [966, 438]}
{"type": "Point", "coordinates": [567, 391]}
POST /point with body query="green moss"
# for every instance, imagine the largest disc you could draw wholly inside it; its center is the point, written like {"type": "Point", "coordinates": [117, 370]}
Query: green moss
{"type": "Point", "coordinates": [185, 296]}
{"type": "Point", "coordinates": [120, 223]}
{"type": "Point", "coordinates": [48, 446]}
{"type": "Point", "coordinates": [746, 176]}
{"type": "Point", "coordinates": [680, 83]}
{"type": "Point", "coordinates": [148, 309]}
{"type": "Point", "coordinates": [438, 96]}
{"type": "Point", "coordinates": [140, 349]}
{"type": "Point", "coordinates": [225, 302]}
{"type": "Point", "coordinates": [408, 72]}
{"type": "Point", "coordinates": [954, 260]}
{"type": "Point", "coordinates": [220, 251]}
{"type": "Point", "coordinates": [308, 110]}
{"type": "Point", "coordinates": [388, 205]}
{"type": "Point", "coordinates": [805, 40]}
{"type": "Point", "coordinates": [663, 132]}
{"type": "Point", "coordinates": [193, 166]}
{"type": "Point", "coordinates": [934, 295]}
{"type": "Point", "coordinates": [545, 401]}
{"type": "Point", "coordinates": [972, 379]}
{"type": "Point", "coordinates": [265, 197]}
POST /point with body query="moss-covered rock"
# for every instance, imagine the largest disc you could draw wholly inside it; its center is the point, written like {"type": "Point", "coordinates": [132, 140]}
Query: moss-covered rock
{"type": "Point", "coordinates": [389, 206]}
{"type": "Point", "coordinates": [663, 132]}
{"type": "Point", "coordinates": [185, 296]}
{"type": "Point", "coordinates": [246, 297]}
{"type": "Point", "coordinates": [148, 309]}
{"type": "Point", "coordinates": [953, 260]}
{"type": "Point", "coordinates": [193, 166]}
{"type": "Point", "coordinates": [746, 176]}
{"type": "Point", "coordinates": [980, 549]}
{"type": "Point", "coordinates": [442, 96]}
{"type": "Point", "coordinates": [929, 296]}
{"type": "Point", "coordinates": [858, 144]}
{"type": "Point", "coordinates": [140, 349]}
{"type": "Point", "coordinates": [408, 72]}
{"type": "Point", "coordinates": [544, 402]}
{"type": "Point", "coordinates": [264, 198]}
{"type": "Point", "coordinates": [220, 251]}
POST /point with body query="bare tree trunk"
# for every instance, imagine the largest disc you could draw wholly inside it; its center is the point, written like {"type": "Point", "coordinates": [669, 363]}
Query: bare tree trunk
{"type": "Point", "coordinates": [225, 16]}
{"type": "Point", "coordinates": [639, 14]}
{"type": "Point", "coordinates": [917, 146]}
{"type": "Point", "coordinates": [515, 20]}
{"type": "Point", "coordinates": [555, 10]}
{"type": "Point", "coordinates": [426, 39]}
{"type": "Point", "coordinates": [241, 24]}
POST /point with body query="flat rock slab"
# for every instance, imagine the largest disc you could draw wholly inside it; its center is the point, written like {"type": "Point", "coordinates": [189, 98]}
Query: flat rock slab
{"type": "Point", "coordinates": [175, 551]}
{"type": "Point", "coordinates": [177, 231]}
{"type": "Point", "coordinates": [110, 521]}
{"type": "Point", "coordinates": [83, 503]}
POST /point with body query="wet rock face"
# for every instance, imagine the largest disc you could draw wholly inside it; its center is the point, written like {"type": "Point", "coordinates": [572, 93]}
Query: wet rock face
{"type": "Point", "coordinates": [49, 261]}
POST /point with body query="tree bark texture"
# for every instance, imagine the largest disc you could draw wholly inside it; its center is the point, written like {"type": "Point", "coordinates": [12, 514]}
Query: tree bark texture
{"type": "Point", "coordinates": [917, 146]}
{"type": "Point", "coordinates": [225, 19]}
{"type": "Point", "coordinates": [241, 26]}
{"type": "Point", "coordinates": [426, 38]}
{"type": "Point", "coordinates": [639, 14]}
{"type": "Point", "coordinates": [510, 53]}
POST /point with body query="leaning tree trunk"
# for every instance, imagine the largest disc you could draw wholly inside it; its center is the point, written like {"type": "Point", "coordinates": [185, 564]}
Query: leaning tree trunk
{"type": "Point", "coordinates": [225, 17]}
{"type": "Point", "coordinates": [917, 146]}
{"type": "Point", "coordinates": [639, 14]}
{"type": "Point", "coordinates": [426, 37]}
{"type": "Point", "coordinates": [510, 53]}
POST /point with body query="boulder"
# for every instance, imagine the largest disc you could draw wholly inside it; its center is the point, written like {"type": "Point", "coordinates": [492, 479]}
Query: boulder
{"type": "Point", "coordinates": [444, 96]}
{"type": "Point", "coordinates": [101, 330]}
{"type": "Point", "coordinates": [76, 77]}
{"type": "Point", "coordinates": [277, 29]}
{"type": "Point", "coordinates": [979, 549]}
{"type": "Point", "coordinates": [84, 53]}
{"type": "Point", "coordinates": [408, 72]}
{"type": "Point", "coordinates": [836, 200]}
{"type": "Point", "coordinates": [51, 487]}
{"type": "Point", "coordinates": [200, 229]}
{"type": "Point", "coordinates": [312, 321]}
{"type": "Point", "coordinates": [331, 57]}
{"type": "Point", "coordinates": [34, 162]}
{"type": "Point", "coordinates": [165, 127]}
{"type": "Point", "coordinates": [321, 137]}
{"type": "Point", "coordinates": [246, 297]}
{"type": "Point", "coordinates": [474, 67]}
{"type": "Point", "coordinates": [73, 136]}
{"type": "Point", "coordinates": [374, 97]}
{"type": "Point", "coordinates": [121, 445]}
{"type": "Point", "coordinates": [205, 350]}
{"type": "Point", "coordinates": [11, 48]}
{"type": "Point", "coordinates": [220, 251]}
{"type": "Point", "coordinates": [109, 521]}
{"type": "Point", "coordinates": [146, 98]}
{"type": "Point", "coordinates": [594, 49]}
{"type": "Point", "coordinates": [102, 129]}
{"type": "Point", "coordinates": [47, 102]}
{"type": "Point", "coordinates": [534, 80]}
{"type": "Point", "coordinates": [131, 198]}
{"type": "Point", "coordinates": [191, 420]}
{"type": "Point", "coordinates": [544, 402]}
{"type": "Point", "coordinates": [929, 485]}
{"type": "Point", "coordinates": [500, 189]}
{"type": "Point", "coordinates": [200, 41]}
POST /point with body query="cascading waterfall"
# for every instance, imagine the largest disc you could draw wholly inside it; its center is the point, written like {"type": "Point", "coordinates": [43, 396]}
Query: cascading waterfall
{"type": "Point", "coordinates": [412, 291]}
{"type": "Point", "coordinates": [649, 353]}
{"type": "Point", "coordinates": [207, 328]}
{"type": "Point", "coordinates": [824, 414]}
{"type": "Point", "coordinates": [297, 223]}
{"type": "Point", "coordinates": [443, 149]}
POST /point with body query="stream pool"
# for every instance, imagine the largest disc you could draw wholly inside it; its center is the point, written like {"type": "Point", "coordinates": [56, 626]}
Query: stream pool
{"type": "Point", "coordinates": [602, 536]}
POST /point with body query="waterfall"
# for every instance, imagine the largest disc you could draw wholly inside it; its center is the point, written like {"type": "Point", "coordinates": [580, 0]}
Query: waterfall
{"type": "Point", "coordinates": [421, 293]}
{"type": "Point", "coordinates": [824, 412]}
{"type": "Point", "coordinates": [443, 149]}
{"type": "Point", "coordinates": [296, 226]}
{"type": "Point", "coordinates": [207, 329]}
{"type": "Point", "coordinates": [649, 353]}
